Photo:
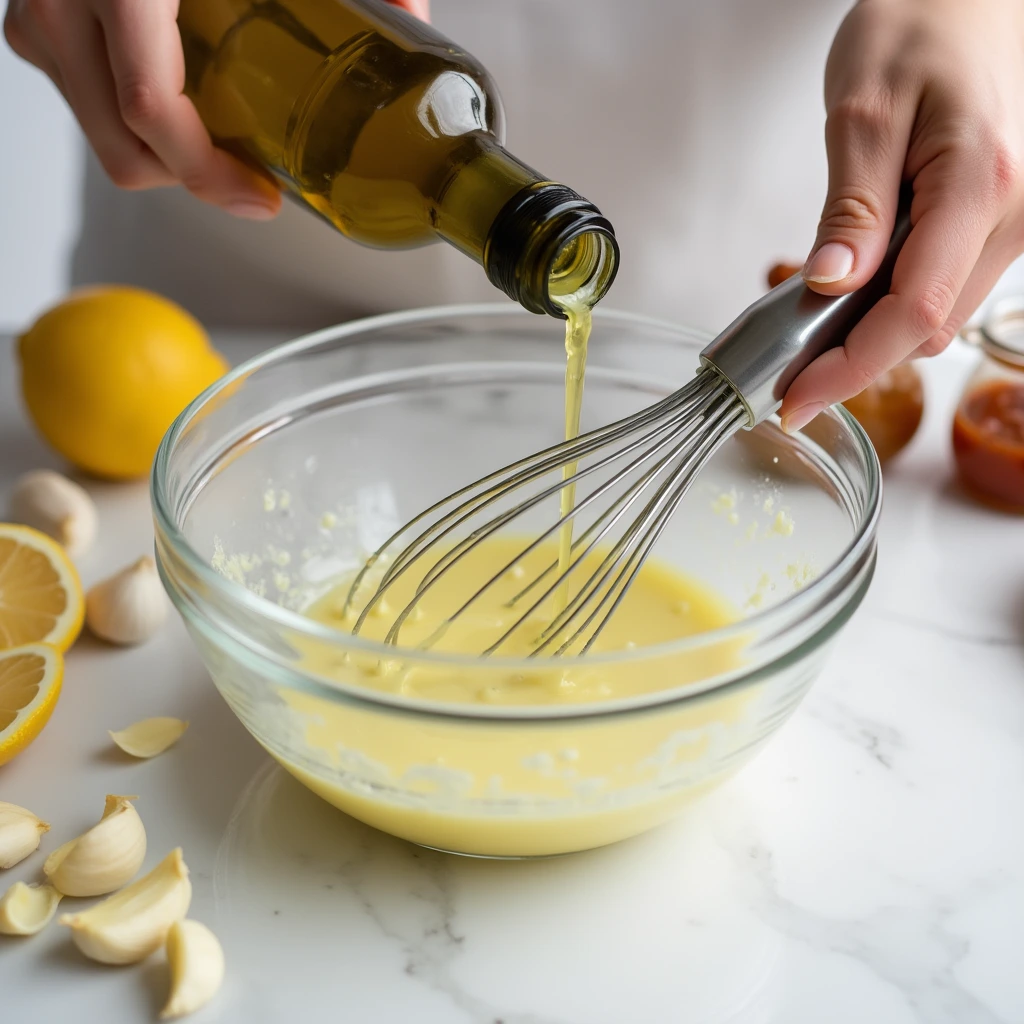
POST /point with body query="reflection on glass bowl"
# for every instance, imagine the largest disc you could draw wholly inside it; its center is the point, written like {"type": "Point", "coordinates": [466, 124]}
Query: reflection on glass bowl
{"type": "Point", "coordinates": [297, 465]}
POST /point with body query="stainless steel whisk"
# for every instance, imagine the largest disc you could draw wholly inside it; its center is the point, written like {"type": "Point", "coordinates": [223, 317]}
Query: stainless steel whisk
{"type": "Point", "coordinates": [649, 459]}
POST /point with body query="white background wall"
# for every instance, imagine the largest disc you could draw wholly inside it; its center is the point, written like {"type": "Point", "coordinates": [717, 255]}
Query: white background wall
{"type": "Point", "coordinates": [40, 169]}
{"type": "Point", "coordinates": [40, 166]}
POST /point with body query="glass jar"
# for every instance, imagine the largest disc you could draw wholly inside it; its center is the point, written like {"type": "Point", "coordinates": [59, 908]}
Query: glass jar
{"type": "Point", "coordinates": [988, 429]}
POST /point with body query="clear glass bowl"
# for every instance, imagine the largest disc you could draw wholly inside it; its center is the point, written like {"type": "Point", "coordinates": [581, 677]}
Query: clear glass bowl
{"type": "Point", "coordinates": [297, 464]}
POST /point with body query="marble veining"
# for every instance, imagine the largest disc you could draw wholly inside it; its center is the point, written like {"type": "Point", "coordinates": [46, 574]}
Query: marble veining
{"type": "Point", "coordinates": [867, 866]}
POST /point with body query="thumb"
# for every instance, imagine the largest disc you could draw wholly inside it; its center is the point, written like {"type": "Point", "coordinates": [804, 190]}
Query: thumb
{"type": "Point", "coordinates": [866, 154]}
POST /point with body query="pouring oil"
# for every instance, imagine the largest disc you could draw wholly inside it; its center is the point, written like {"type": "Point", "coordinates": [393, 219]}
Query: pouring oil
{"type": "Point", "coordinates": [577, 337]}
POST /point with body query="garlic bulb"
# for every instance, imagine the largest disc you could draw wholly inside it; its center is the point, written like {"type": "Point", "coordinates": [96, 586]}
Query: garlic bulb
{"type": "Point", "coordinates": [134, 922]}
{"type": "Point", "coordinates": [197, 968]}
{"type": "Point", "coordinates": [129, 607]}
{"type": "Point", "coordinates": [20, 833]}
{"type": "Point", "coordinates": [27, 909]}
{"type": "Point", "coordinates": [104, 858]}
{"type": "Point", "coordinates": [150, 737]}
{"type": "Point", "coordinates": [56, 506]}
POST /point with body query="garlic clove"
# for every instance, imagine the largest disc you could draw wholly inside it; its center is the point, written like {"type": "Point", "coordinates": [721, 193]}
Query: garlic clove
{"type": "Point", "coordinates": [150, 737]}
{"type": "Point", "coordinates": [27, 909]}
{"type": "Point", "coordinates": [130, 606]}
{"type": "Point", "coordinates": [56, 506]}
{"type": "Point", "coordinates": [197, 968]}
{"type": "Point", "coordinates": [104, 858]}
{"type": "Point", "coordinates": [134, 922]}
{"type": "Point", "coordinates": [20, 833]}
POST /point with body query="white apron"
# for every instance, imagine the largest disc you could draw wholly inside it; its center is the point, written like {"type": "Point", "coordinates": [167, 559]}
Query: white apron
{"type": "Point", "coordinates": [695, 126]}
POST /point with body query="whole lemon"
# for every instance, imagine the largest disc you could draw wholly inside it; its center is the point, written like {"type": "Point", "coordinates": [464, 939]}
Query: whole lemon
{"type": "Point", "coordinates": [105, 372]}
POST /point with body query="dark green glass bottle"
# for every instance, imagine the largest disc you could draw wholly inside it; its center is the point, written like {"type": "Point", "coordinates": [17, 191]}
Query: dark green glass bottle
{"type": "Point", "coordinates": [393, 135]}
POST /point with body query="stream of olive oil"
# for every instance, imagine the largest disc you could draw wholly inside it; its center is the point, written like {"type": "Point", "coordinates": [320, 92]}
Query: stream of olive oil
{"type": "Point", "coordinates": [577, 335]}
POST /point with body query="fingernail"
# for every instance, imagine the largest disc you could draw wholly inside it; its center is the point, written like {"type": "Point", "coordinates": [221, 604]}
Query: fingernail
{"type": "Point", "coordinates": [832, 262]}
{"type": "Point", "coordinates": [799, 418]}
{"type": "Point", "coordinates": [251, 211]}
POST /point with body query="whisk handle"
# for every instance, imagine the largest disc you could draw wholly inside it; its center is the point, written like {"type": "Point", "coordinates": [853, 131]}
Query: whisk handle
{"type": "Point", "coordinates": [761, 352]}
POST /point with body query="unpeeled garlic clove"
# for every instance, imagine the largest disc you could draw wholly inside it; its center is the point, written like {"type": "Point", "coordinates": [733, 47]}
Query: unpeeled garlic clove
{"type": "Point", "coordinates": [56, 506]}
{"type": "Point", "coordinates": [130, 606]}
{"type": "Point", "coordinates": [150, 737]}
{"type": "Point", "coordinates": [131, 924]}
{"type": "Point", "coordinates": [197, 968]}
{"type": "Point", "coordinates": [20, 833]}
{"type": "Point", "coordinates": [104, 858]}
{"type": "Point", "coordinates": [27, 909]}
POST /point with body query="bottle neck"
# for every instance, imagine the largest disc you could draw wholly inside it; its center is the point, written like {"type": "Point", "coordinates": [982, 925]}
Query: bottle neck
{"type": "Point", "coordinates": [540, 242]}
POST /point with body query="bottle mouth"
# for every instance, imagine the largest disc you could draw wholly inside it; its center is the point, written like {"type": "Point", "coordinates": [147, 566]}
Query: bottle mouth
{"type": "Point", "coordinates": [551, 250]}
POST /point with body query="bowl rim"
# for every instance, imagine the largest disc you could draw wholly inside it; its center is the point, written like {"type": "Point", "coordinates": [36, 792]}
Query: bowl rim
{"type": "Point", "coordinates": [790, 609]}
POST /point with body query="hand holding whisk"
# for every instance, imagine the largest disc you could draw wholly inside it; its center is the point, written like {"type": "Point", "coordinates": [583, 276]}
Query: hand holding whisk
{"type": "Point", "coordinates": [634, 474]}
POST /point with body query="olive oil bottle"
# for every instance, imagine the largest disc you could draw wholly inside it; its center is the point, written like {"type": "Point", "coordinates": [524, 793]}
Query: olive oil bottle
{"type": "Point", "coordinates": [394, 136]}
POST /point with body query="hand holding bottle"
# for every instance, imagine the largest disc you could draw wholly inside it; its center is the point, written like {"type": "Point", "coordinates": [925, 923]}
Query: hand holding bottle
{"type": "Point", "coordinates": [119, 65]}
{"type": "Point", "coordinates": [930, 91]}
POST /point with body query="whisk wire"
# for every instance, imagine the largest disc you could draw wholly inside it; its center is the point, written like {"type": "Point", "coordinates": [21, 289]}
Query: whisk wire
{"type": "Point", "coordinates": [734, 424]}
{"type": "Point", "coordinates": [601, 526]}
{"type": "Point", "coordinates": [556, 453]}
{"type": "Point", "coordinates": [467, 544]}
{"type": "Point", "coordinates": [660, 507]}
{"type": "Point", "coordinates": [516, 476]}
{"type": "Point", "coordinates": [543, 461]}
{"type": "Point", "coordinates": [663, 446]}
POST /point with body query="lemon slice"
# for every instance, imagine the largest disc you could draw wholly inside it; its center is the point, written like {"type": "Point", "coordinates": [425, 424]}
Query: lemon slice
{"type": "Point", "coordinates": [40, 594]}
{"type": "Point", "coordinates": [30, 679]}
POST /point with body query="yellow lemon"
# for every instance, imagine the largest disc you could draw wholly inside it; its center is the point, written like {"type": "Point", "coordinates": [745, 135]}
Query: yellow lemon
{"type": "Point", "coordinates": [30, 679]}
{"type": "Point", "coordinates": [105, 372]}
{"type": "Point", "coordinates": [41, 598]}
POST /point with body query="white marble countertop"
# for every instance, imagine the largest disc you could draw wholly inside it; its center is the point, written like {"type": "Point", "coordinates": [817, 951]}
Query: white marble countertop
{"type": "Point", "coordinates": [868, 866]}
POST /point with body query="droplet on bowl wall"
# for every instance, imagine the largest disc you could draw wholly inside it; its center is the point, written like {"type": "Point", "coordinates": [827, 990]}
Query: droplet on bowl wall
{"type": "Point", "coordinates": [725, 502]}
{"type": "Point", "coordinates": [278, 556]}
{"type": "Point", "coordinates": [800, 573]}
{"type": "Point", "coordinates": [762, 588]}
{"type": "Point", "coordinates": [783, 524]}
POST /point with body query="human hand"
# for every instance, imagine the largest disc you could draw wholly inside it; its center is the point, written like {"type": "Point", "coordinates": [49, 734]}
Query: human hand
{"type": "Point", "coordinates": [119, 64]}
{"type": "Point", "coordinates": [930, 91]}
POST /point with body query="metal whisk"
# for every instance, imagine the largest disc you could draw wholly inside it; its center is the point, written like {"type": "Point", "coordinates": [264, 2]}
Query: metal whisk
{"type": "Point", "coordinates": [640, 468]}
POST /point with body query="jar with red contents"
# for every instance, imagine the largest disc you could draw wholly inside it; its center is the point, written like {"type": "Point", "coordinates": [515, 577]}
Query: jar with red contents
{"type": "Point", "coordinates": [988, 430]}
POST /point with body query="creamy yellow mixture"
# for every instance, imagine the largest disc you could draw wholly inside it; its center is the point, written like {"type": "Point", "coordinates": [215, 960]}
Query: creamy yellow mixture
{"type": "Point", "coordinates": [662, 605]}
{"type": "Point", "coordinates": [519, 788]}
{"type": "Point", "coordinates": [522, 787]}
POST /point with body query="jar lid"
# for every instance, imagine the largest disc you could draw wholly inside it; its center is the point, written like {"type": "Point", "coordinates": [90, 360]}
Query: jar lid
{"type": "Point", "coordinates": [1001, 335]}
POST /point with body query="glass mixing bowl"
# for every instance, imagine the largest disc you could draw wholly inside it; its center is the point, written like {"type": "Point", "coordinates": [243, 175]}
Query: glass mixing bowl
{"type": "Point", "coordinates": [295, 466]}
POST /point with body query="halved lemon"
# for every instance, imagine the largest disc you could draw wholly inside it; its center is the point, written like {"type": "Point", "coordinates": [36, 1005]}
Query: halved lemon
{"type": "Point", "coordinates": [40, 593]}
{"type": "Point", "coordinates": [30, 679]}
